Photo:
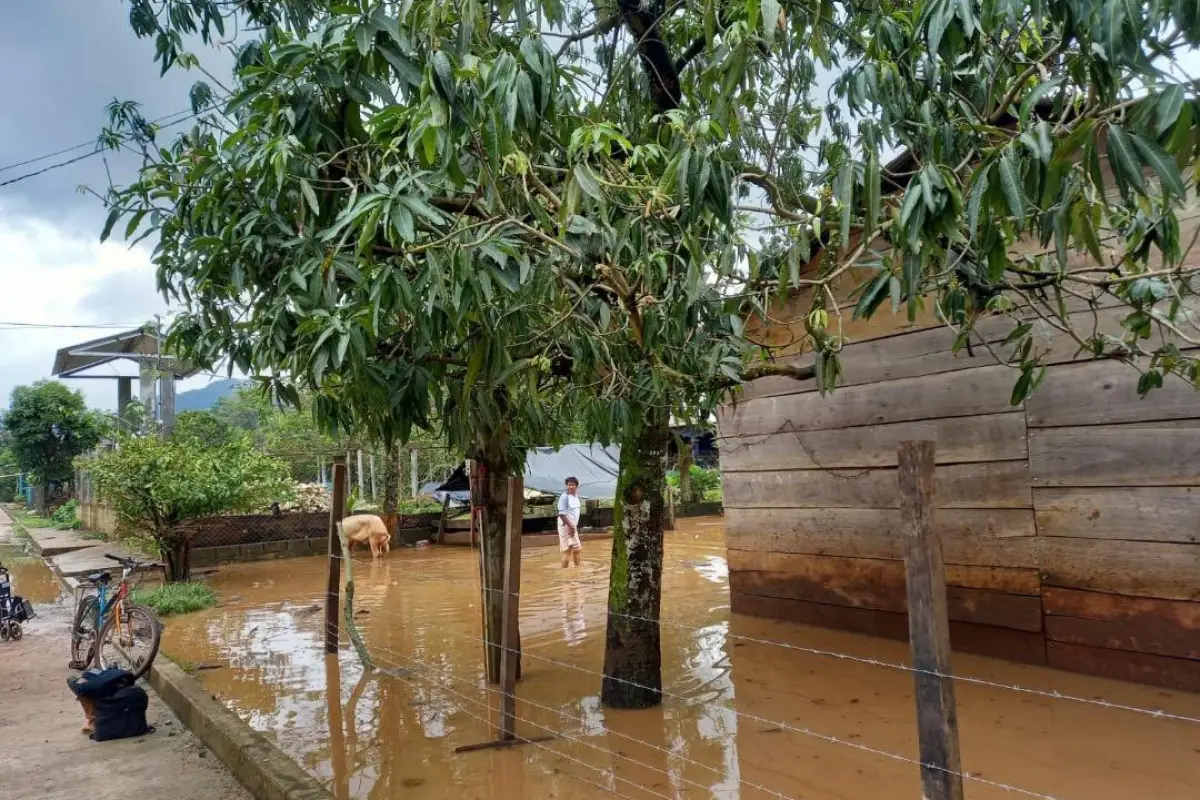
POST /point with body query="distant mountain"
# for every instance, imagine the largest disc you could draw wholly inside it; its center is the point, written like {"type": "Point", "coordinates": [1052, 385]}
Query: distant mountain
{"type": "Point", "coordinates": [206, 397]}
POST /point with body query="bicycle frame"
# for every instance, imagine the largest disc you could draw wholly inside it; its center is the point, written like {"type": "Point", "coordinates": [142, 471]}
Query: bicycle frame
{"type": "Point", "coordinates": [106, 605]}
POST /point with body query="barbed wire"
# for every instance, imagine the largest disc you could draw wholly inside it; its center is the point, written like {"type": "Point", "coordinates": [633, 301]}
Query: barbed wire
{"type": "Point", "coordinates": [489, 724]}
{"type": "Point", "coordinates": [805, 731]}
{"type": "Point", "coordinates": [580, 721]}
{"type": "Point", "coordinates": [1053, 694]}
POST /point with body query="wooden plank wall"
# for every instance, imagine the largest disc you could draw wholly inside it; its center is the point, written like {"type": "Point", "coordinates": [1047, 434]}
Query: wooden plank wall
{"type": "Point", "coordinates": [1071, 525]}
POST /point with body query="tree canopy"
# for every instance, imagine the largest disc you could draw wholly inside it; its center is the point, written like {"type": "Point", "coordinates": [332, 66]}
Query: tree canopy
{"type": "Point", "coordinates": [154, 485]}
{"type": "Point", "coordinates": [48, 426]}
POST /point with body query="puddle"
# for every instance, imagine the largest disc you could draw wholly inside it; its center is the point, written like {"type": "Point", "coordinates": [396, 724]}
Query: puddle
{"type": "Point", "coordinates": [31, 578]}
{"type": "Point", "coordinates": [731, 728]}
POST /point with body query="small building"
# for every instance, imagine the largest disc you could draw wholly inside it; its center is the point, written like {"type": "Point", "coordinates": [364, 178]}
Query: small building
{"type": "Point", "coordinates": [1070, 523]}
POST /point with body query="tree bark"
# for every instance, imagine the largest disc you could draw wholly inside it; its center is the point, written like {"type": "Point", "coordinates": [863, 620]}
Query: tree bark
{"type": "Point", "coordinates": [633, 654]}
{"type": "Point", "coordinates": [491, 459]}
{"type": "Point", "coordinates": [391, 489]}
{"type": "Point", "coordinates": [179, 560]}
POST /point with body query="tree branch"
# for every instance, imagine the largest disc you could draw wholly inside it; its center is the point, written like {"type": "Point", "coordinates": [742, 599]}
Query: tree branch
{"type": "Point", "coordinates": [774, 368]}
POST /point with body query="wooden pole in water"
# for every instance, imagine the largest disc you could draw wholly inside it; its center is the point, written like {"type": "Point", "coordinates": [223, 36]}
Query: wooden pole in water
{"type": "Point", "coordinates": [337, 511]}
{"type": "Point", "coordinates": [929, 627]}
{"type": "Point", "coordinates": [510, 637]}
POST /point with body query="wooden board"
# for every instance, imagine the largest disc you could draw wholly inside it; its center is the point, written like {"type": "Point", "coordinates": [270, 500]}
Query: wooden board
{"type": "Point", "coordinates": [903, 354]}
{"type": "Point", "coordinates": [1005, 643]}
{"type": "Point", "coordinates": [1115, 456]}
{"type": "Point", "coordinates": [1161, 514]}
{"type": "Point", "coordinates": [1140, 624]}
{"type": "Point", "coordinates": [1010, 580]}
{"type": "Point", "coordinates": [929, 350]}
{"type": "Point", "coordinates": [995, 537]}
{"type": "Point", "coordinates": [873, 583]}
{"type": "Point", "coordinates": [995, 437]}
{"type": "Point", "coordinates": [1169, 571]}
{"type": "Point", "coordinates": [1105, 392]}
{"type": "Point", "coordinates": [954, 394]}
{"type": "Point", "coordinates": [1001, 484]}
{"type": "Point", "coordinates": [1169, 673]}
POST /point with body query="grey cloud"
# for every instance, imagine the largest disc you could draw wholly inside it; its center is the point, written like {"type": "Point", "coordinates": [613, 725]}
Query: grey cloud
{"type": "Point", "coordinates": [128, 296]}
{"type": "Point", "coordinates": [63, 61]}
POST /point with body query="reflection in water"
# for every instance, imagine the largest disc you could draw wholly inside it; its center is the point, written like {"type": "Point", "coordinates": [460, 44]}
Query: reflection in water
{"type": "Point", "coordinates": [31, 579]}
{"type": "Point", "coordinates": [730, 727]}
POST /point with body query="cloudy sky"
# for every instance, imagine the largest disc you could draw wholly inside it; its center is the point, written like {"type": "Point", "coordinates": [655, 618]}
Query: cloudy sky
{"type": "Point", "coordinates": [64, 60]}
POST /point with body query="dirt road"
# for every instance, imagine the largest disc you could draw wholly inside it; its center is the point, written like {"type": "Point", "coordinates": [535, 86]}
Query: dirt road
{"type": "Point", "coordinates": [45, 756]}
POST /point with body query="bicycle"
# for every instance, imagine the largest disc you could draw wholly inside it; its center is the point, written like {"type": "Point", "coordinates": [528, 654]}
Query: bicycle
{"type": "Point", "coordinates": [109, 630]}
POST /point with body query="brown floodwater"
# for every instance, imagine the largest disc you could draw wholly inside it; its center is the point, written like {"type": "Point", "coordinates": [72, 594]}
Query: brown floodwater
{"type": "Point", "coordinates": [31, 578]}
{"type": "Point", "coordinates": [745, 716]}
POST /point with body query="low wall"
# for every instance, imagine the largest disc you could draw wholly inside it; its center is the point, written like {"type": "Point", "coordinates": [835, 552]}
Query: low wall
{"type": "Point", "coordinates": [98, 517]}
{"type": "Point", "coordinates": [253, 759]}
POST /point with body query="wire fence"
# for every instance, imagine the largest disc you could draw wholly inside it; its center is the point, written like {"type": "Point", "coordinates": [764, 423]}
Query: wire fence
{"type": "Point", "coordinates": [568, 728]}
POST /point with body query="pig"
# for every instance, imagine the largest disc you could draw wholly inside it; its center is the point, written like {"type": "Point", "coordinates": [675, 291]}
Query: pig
{"type": "Point", "coordinates": [369, 529]}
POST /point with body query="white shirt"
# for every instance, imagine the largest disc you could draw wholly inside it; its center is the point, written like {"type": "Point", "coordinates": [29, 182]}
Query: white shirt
{"type": "Point", "coordinates": [568, 506]}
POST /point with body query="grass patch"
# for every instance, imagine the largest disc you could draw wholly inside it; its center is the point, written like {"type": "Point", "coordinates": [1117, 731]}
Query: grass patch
{"type": "Point", "coordinates": [177, 598]}
{"type": "Point", "coordinates": [32, 520]}
{"type": "Point", "coordinates": [96, 536]}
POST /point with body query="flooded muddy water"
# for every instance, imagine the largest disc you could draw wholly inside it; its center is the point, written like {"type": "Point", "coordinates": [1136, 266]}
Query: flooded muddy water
{"type": "Point", "coordinates": [747, 715]}
{"type": "Point", "coordinates": [31, 578]}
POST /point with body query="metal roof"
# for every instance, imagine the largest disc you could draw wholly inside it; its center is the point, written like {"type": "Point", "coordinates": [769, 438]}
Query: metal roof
{"type": "Point", "coordinates": [136, 345]}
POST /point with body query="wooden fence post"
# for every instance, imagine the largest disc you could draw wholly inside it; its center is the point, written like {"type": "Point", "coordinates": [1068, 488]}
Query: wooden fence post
{"type": "Point", "coordinates": [374, 484]}
{"type": "Point", "coordinates": [510, 637]}
{"type": "Point", "coordinates": [337, 511]}
{"type": "Point", "coordinates": [929, 627]}
{"type": "Point", "coordinates": [414, 478]}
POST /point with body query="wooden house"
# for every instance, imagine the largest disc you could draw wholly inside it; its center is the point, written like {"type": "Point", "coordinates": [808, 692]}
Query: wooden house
{"type": "Point", "coordinates": [1070, 523]}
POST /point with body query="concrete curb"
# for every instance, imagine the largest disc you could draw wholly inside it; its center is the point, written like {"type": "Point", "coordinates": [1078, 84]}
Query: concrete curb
{"type": "Point", "coordinates": [257, 764]}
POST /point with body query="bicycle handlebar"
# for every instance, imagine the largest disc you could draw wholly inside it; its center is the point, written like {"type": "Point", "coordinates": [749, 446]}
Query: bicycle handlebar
{"type": "Point", "coordinates": [128, 562]}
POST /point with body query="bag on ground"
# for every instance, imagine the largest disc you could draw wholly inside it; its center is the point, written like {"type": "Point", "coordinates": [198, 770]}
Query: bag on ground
{"type": "Point", "coordinates": [121, 715]}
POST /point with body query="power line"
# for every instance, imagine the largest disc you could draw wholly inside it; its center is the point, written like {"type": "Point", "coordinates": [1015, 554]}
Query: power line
{"type": "Point", "coordinates": [65, 325]}
{"type": "Point", "coordinates": [187, 114]}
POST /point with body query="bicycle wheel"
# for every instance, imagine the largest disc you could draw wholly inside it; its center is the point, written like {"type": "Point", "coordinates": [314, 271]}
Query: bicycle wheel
{"type": "Point", "coordinates": [83, 632]}
{"type": "Point", "coordinates": [129, 639]}
{"type": "Point", "coordinates": [14, 631]}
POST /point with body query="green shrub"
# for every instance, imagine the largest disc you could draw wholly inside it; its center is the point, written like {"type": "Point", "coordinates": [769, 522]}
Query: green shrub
{"type": "Point", "coordinates": [66, 516]}
{"type": "Point", "coordinates": [176, 598]}
{"type": "Point", "coordinates": [706, 484]}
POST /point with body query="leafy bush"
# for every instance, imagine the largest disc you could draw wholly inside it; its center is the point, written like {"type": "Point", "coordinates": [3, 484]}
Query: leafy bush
{"type": "Point", "coordinates": [66, 516]}
{"type": "Point", "coordinates": [705, 484]}
{"type": "Point", "coordinates": [176, 598]}
{"type": "Point", "coordinates": [155, 485]}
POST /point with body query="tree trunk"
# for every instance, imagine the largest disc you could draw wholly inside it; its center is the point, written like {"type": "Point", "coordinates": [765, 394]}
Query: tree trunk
{"type": "Point", "coordinates": [633, 656]}
{"type": "Point", "coordinates": [391, 490]}
{"type": "Point", "coordinates": [492, 497]}
{"type": "Point", "coordinates": [179, 560]}
{"type": "Point", "coordinates": [685, 472]}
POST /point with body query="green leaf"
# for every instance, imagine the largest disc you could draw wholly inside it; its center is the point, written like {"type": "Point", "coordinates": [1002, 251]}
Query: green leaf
{"type": "Point", "coordinates": [1168, 106]}
{"type": "Point", "coordinates": [525, 98]}
{"type": "Point", "coordinates": [770, 19]}
{"type": "Point", "coordinates": [588, 183]}
{"type": "Point", "coordinates": [846, 200]}
{"type": "Point", "coordinates": [1157, 159]}
{"type": "Point", "coordinates": [871, 186]}
{"type": "Point", "coordinates": [113, 216]}
{"type": "Point", "coordinates": [939, 20]}
{"type": "Point", "coordinates": [1014, 193]}
{"type": "Point", "coordinates": [1031, 100]}
{"type": "Point", "coordinates": [873, 295]}
{"type": "Point", "coordinates": [405, 69]}
{"type": "Point", "coordinates": [979, 187]}
{"type": "Point", "coordinates": [1125, 162]}
{"type": "Point", "coordinates": [443, 73]}
{"type": "Point", "coordinates": [364, 34]}
{"type": "Point", "coordinates": [1075, 139]}
{"type": "Point", "coordinates": [310, 197]}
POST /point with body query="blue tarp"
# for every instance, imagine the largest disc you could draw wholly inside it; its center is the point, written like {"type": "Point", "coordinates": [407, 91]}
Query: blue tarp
{"type": "Point", "coordinates": [546, 469]}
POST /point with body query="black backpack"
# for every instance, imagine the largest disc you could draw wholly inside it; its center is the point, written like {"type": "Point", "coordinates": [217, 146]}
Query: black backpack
{"type": "Point", "coordinates": [122, 714]}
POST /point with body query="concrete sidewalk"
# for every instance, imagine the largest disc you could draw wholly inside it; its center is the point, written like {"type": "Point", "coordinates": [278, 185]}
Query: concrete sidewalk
{"type": "Point", "coordinates": [47, 758]}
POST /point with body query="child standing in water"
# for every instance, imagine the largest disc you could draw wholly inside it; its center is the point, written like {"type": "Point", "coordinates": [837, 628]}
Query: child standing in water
{"type": "Point", "coordinates": [568, 523]}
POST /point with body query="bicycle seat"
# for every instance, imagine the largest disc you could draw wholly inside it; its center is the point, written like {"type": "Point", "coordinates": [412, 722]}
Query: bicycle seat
{"type": "Point", "coordinates": [99, 577]}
